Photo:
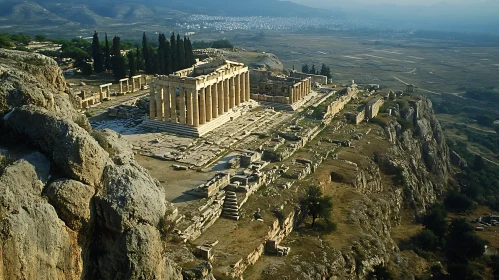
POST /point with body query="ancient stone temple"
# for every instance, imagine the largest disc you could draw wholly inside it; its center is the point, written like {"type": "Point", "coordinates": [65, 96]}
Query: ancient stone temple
{"type": "Point", "coordinates": [196, 100]}
{"type": "Point", "coordinates": [291, 92]}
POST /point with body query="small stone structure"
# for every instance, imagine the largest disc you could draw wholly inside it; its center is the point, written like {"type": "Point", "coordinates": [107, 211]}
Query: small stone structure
{"type": "Point", "coordinates": [357, 117]}
{"type": "Point", "coordinates": [87, 100]}
{"type": "Point", "coordinates": [409, 88]}
{"type": "Point", "coordinates": [190, 100]}
{"type": "Point", "coordinates": [134, 82]}
{"type": "Point", "coordinates": [267, 87]}
{"type": "Point", "coordinates": [319, 79]}
{"type": "Point", "coordinates": [107, 94]}
{"type": "Point", "coordinates": [373, 106]}
{"type": "Point", "coordinates": [218, 182]}
{"type": "Point", "coordinates": [127, 85]}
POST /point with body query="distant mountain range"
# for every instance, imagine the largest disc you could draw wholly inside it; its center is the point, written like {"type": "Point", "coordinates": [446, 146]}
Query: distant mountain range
{"type": "Point", "coordinates": [98, 12]}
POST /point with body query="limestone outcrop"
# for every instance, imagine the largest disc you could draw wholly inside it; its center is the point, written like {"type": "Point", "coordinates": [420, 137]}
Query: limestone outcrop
{"type": "Point", "coordinates": [72, 201]}
{"type": "Point", "coordinates": [129, 196]}
{"type": "Point", "coordinates": [68, 145]}
{"type": "Point", "coordinates": [35, 243]}
{"type": "Point", "coordinates": [74, 204]}
{"type": "Point", "coordinates": [34, 79]}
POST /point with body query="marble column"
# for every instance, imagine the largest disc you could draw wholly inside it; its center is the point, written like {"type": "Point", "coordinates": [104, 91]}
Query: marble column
{"type": "Point", "coordinates": [208, 104]}
{"type": "Point", "coordinates": [159, 104]}
{"type": "Point", "coordinates": [291, 96]}
{"type": "Point", "coordinates": [166, 102]}
{"type": "Point", "coordinates": [232, 92]}
{"type": "Point", "coordinates": [195, 111]}
{"type": "Point", "coordinates": [248, 88]}
{"type": "Point", "coordinates": [237, 82]}
{"type": "Point", "coordinates": [202, 107]}
{"type": "Point", "coordinates": [214, 99]}
{"type": "Point", "coordinates": [190, 109]}
{"type": "Point", "coordinates": [243, 87]}
{"type": "Point", "coordinates": [173, 103]}
{"type": "Point", "coordinates": [182, 106]}
{"type": "Point", "coordinates": [226, 95]}
{"type": "Point", "coordinates": [152, 106]}
{"type": "Point", "coordinates": [221, 98]}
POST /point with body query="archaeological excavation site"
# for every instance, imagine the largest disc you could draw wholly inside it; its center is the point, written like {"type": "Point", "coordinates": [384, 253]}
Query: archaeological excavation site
{"type": "Point", "coordinates": [205, 173]}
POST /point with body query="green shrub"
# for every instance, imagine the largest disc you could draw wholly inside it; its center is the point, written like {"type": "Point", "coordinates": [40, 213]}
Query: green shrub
{"type": "Point", "coordinates": [405, 124]}
{"type": "Point", "coordinates": [102, 140]}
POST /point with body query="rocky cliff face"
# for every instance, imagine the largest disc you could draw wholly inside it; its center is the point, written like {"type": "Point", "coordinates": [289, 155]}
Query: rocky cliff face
{"type": "Point", "coordinates": [393, 184]}
{"type": "Point", "coordinates": [74, 204]}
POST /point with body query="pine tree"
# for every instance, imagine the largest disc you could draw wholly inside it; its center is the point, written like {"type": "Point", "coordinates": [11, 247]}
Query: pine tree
{"type": "Point", "coordinates": [180, 53]}
{"type": "Point", "coordinates": [97, 54]}
{"type": "Point", "coordinates": [107, 55]}
{"type": "Point", "coordinates": [305, 69]}
{"type": "Point", "coordinates": [132, 64]}
{"type": "Point", "coordinates": [119, 70]}
{"type": "Point", "coordinates": [175, 62]}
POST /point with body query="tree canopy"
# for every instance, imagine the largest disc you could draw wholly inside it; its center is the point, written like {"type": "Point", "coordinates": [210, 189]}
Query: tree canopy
{"type": "Point", "coordinates": [316, 205]}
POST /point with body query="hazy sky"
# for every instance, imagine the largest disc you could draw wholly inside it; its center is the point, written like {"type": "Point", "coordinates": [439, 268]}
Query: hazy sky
{"type": "Point", "coordinates": [398, 2]}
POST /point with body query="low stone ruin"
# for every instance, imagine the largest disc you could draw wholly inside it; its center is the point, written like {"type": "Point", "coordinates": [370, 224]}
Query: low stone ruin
{"type": "Point", "coordinates": [217, 183]}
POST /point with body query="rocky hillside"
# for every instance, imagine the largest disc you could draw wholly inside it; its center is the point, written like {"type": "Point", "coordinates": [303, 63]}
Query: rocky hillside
{"type": "Point", "coordinates": [74, 204]}
{"type": "Point", "coordinates": [398, 173]}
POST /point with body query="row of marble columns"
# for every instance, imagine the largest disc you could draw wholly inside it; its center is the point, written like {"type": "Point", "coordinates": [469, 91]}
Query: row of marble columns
{"type": "Point", "coordinates": [297, 92]}
{"type": "Point", "coordinates": [197, 107]}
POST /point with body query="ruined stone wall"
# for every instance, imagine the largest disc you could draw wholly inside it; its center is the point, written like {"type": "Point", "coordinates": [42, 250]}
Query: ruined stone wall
{"type": "Point", "coordinates": [337, 105]}
{"type": "Point", "coordinates": [315, 78]}
{"type": "Point", "coordinates": [373, 106]}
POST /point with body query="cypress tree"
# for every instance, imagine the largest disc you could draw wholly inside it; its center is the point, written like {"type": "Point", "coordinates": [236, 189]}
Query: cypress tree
{"type": "Point", "coordinates": [153, 56]}
{"type": "Point", "coordinates": [107, 55]}
{"type": "Point", "coordinates": [168, 58]}
{"type": "Point", "coordinates": [180, 53]}
{"type": "Point", "coordinates": [119, 70]}
{"type": "Point", "coordinates": [191, 60]}
{"type": "Point", "coordinates": [323, 69]}
{"type": "Point", "coordinates": [161, 54]}
{"type": "Point", "coordinates": [304, 68]}
{"type": "Point", "coordinates": [187, 58]}
{"type": "Point", "coordinates": [132, 64]}
{"type": "Point", "coordinates": [146, 54]}
{"type": "Point", "coordinates": [312, 71]}
{"type": "Point", "coordinates": [97, 54]}
{"type": "Point", "coordinates": [173, 42]}
{"type": "Point", "coordinates": [138, 59]}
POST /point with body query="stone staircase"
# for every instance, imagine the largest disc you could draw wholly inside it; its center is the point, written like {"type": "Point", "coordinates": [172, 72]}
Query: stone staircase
{"type": "Point", "coordinates": [230, 208]}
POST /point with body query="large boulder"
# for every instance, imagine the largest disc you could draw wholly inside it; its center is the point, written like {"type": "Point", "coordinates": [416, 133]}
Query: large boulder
{"type": "Point", "coordinates": [68, 145]}
{"type": "Point", "coordinates": [34, 79]}
{"type": "Point", "coordinates": [23, 181]}
{"type": "Point", "coordinates": [119, 149]}
{"type": "Point", "coordinates": [34, 242]}
{"type": "Point", "coordinates": [129, 196]}
{"type": "Point", "coordinates": [134, 254]}
{"type": "Point", "coordinates": [142, 249]}
{"type": "Point", "coordinates": [72, 201]}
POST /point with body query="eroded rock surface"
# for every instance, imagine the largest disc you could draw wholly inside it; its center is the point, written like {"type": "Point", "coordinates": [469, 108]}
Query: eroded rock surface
{"type": "Point", "coordinates": [60, 218]}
